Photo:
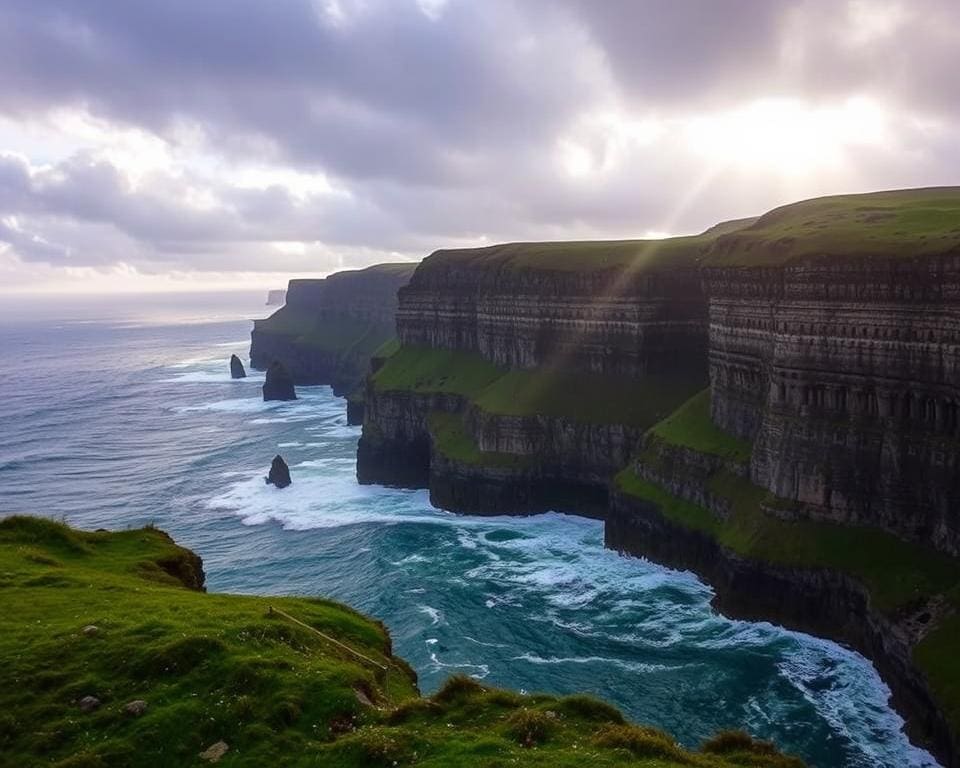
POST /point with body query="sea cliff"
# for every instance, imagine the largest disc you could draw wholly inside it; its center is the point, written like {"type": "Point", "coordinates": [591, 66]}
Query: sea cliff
{"type": "Point", "coordinates": [329, 328]}
{"type": "Point", "coordinates": [817, 462]}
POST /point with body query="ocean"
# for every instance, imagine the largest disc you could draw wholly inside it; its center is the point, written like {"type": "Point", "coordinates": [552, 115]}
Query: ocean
{"type": "Point", "coordinates": [117, 412]}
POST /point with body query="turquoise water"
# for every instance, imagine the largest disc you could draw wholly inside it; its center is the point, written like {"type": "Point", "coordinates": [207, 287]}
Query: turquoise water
{"type": "Point", "coordinates": [123, 413]}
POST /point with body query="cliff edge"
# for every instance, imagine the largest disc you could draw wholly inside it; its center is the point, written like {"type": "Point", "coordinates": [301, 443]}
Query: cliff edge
{"type": "Point", "coordinates": [130, 664]}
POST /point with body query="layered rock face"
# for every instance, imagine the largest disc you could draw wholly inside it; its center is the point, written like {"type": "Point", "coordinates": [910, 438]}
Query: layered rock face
{"type": "Point", "coordinates": [328, 328]}
{"type": "Point", "coordinates": [621, 319]}
{"type": "Point", "coordinates": [617, 320]}
{"type": "Point", "coordinates": [847, 378]}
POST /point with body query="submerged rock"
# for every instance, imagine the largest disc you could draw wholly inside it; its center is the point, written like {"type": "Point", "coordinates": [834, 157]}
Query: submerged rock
{"type": "Point", "coordinates": [279, 383]}
{"type": "Point", "coordinates": [279, 473]}
{"type": "Point", "coordinates": [236, 368]}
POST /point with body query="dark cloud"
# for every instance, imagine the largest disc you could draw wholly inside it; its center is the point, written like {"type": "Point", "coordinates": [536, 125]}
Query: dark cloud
{"type": "Point", "coordinates": [436, 129]}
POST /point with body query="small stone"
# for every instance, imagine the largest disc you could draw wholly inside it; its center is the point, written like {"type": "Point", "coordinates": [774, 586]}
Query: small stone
{"type": "Point", "coordinates": [214, 752]}
{"type": "Point", "coordinates": [136, 707]}
{"type": "Point", "coordinates": [90, 630]}
{"type": "Point", "coordinates": [89, 703]}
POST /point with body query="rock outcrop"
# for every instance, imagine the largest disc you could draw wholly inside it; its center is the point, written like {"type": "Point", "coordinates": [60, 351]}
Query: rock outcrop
{"type": "Point", "coordinates": [624, 308]}
{"type": "Point", "coordinates": [236, 368]}
{"type": "Point", "coordinates": [846, 376]}
{"type": "Point", "coordinates": [279, 474]}
{"type": "Point", "coordinates": [328, 329]}
{"type": "Point", "coordinates": [279, 383]}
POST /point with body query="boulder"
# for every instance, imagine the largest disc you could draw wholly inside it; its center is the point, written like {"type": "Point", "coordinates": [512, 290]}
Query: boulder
{"type": "Point", "coordinates": [279, 383]}
{"type": "Point", "coordinates": [236, 368]}
{"type": "Point", "coordinates": [279, 473]}
{"type": "Point", "coordinates": [90, 630]}
{"type": "Point", "coordinates": [214, 752]}
{"type": "Point", "coordinates": [135, 708]}
{"type": "Point", "coordinates": [89, 703]}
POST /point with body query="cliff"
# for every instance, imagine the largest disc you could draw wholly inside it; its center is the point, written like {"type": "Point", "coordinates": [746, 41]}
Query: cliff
{"type": "Point", "coordinates": [111, 655]}
{"type": "Point", "coordinates": [821, 461]}
{"type": "Point", "coordinates": [558, 355]}
{"type": "Point", "coordinates": [835, 348]}
{"type": "Point", "coordinates": [328, 329]}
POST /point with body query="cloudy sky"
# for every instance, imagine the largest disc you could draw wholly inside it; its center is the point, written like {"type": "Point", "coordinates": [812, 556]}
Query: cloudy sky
{"type": "Point", "coordinates": [157, 144]}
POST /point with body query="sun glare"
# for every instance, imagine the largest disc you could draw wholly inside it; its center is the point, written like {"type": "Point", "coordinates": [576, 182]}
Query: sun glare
{"type": "Point", "coordinates": [787, 135]}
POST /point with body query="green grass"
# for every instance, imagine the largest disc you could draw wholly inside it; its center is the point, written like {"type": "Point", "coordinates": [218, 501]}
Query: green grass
{"type": "Point", "coordinates": [451, 439]}
{"type": "Point", "coordinates": [428, 370]}
{"type": "Point", "coordinates": [341, 335]}
{"type": "Point", "coordinates": [217, 667]}
{"type": "Point", "coordinates": [895, 572]}
{"type": "Point", "coordinates": [575, 256]}
{"type": "Point", "coordinates": [690, 426]}
{"type": "Point", "coordinates": [900, 224]}
{"type": "Point", "coordinates": [545, 391]}
{"type": "Point", "coordinates": [590, 398]}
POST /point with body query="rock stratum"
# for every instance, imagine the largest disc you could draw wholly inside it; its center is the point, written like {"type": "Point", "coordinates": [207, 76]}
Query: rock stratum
{"type": "Point", "coordinates": [329, 328]}
{"type": "Point", "coordinates": [773, 403]}
{"type": "Point", "coordinates": [170, 675]}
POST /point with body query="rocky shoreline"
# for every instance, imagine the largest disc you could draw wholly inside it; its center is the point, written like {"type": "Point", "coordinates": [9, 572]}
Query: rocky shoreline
{"type": "Point", "coordinates": [818, 602]}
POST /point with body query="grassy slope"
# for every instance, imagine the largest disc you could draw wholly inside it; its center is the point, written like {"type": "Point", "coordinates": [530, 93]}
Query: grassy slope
{"type": "Point", "coordinates": [576, 256]}
{"type": "Point", "coordinates": [690, 426]}
{"type": "Point", "coordinates": [220, 667]}
{"type": "Point", "coordinates": [901, 223]}
{"type": "Point", "coordinates": [896, 573]}
{"type": "Point", "coordinates": [585, 397]}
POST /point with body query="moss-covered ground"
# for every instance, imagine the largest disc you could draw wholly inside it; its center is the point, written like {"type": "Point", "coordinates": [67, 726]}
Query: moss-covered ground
{"type": "Point", "coordinates": [545, 391]}
{"type": "Point", "coordinates": [899, 575]}
{"type": "Point", "coordinates": [900, 224]}
{"type": "Point", "coordinates": [225, 668]}
{"type": "Point", "coordinates": [450, 438]}
{"type": "Point", "coordinates": [690, 426]}
{"type": "Point", "coordinates": [579, 256]}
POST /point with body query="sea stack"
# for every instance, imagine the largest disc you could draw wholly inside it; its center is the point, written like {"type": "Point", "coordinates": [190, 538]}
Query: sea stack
{"type": "Point", "coordinates": [236, 368]}
{"type": "Point", "coordinates": [279, 473]}
{"type": "Point", "coordinates": [279, 383]}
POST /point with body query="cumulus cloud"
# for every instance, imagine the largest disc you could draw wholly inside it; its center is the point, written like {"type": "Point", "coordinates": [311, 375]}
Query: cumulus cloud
{"type": "Point", "coordinates": [306, 135]}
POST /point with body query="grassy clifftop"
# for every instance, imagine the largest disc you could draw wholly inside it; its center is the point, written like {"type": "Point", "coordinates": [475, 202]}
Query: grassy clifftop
{"type": "Point", "coordinates": [582, 255]}
{"type": "Point", "coordinates": [119, 617]}
{"type": "Point", "coordinates": [901, 223]}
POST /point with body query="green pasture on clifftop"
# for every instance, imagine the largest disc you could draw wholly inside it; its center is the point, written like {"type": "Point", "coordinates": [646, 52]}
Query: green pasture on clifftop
{"type": "Point", "coordinates": [900, 224]}
{"type": "Point", "coordinates": [110, 656]}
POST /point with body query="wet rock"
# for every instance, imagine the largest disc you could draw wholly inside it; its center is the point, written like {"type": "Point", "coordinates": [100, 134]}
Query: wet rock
{"type": "Point", "coordinates": [236, 368]}
{"type": "Point", "coordinates": [279, 383]}
{"type": "Point", "coordinates": [279, 473]}
{"type": "Point", "coordinates": [89, 704]}
{"type": "Point", "coordinates": [214, 752]}
{"type": "Point", "coordinates": [135, 708]}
